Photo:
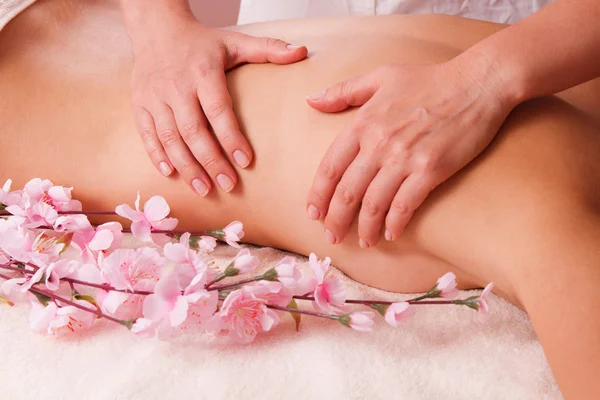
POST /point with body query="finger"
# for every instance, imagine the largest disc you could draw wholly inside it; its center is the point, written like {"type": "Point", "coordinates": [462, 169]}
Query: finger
{"type": "Point", "coordinates": [217, 105]}
{"type": "Point", "coordinates": [249, 49]}
{"type": "Point", "coordinates": [177, 151]}
{"type": "Point", "coordinates": [352, 92]}
{"type": "Point", "coordinates": [376, 203]}
{"type": "Point", "coordinates": [336, 160]}
{"type": "Point", "coordinates": [145, 127]}
{"type": "Point", "coordinates": [201, 142]}
{"type": "Point", "coordinates": [412, 193]}
{"type": "Point", "coordinates": [347, 197]}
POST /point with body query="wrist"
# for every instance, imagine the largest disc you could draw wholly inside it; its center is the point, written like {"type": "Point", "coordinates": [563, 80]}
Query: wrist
{"type": "Point", "coordinates": [496, 75]}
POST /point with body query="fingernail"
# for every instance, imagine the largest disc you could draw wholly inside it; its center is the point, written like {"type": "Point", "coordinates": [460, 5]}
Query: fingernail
{"type": "Point", "coordinates": [363, 244]}
{"type": "Point", "coordinates": [315, 96]}
{"type": "Point", "coordinates": [388, 235]}
{"type": "Point", "coordinates": [330, 236]}
{"type": "Point", "coordinates": [200, 187]}
{"type": "Point", "coordinates": [241, 158]}
{"type": "Point", "coordinates": [165, 169]}
{"type": "Point", "coordinates": [225, 182]}
{"type": "Point", "coordinates": [313, 213]}
{"type": "Point", "coordinates": [292, 47]}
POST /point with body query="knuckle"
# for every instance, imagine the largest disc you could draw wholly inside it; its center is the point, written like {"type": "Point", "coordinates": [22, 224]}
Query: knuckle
{"type": "Point", "coordinates": [147, 134]}
{"type": "Point", "coordinates": [186, 169]}
{"type": "Point", "coordinates": [345, 195]}
{"type": "Point", "coordinates": [424, 161]}
{"type": "Point", "coordinates": [329, 170]}
{"type": "Point", "coordinates": [346, 87]}
{"type": "Point", "coordinates": [399, 207]}
{"type": "Point", "coordinates": [168, 136]}
{"type": "Point", "coordinates": [371, 208]}
{"type": "Point", "coordinates": [272, 42]}
{"type": "Point", "coordinates": [215, 110]}
{"type": "Point", "coordinates": [190, 129]}
{"type": "Point", "coordinates": [155, 154]}
{"type": "Point", "coordinates": [203, 70]}
{"type": "Point", "coordinates": [316, 198]}
{"type": "Point", "coordinates": [209, 162]}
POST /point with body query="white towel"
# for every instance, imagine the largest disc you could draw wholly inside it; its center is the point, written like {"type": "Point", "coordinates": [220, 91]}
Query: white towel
{"type": "Point", "coordinates": [442, 352]}
{"type": "Point", "coordinates": [11, 8]}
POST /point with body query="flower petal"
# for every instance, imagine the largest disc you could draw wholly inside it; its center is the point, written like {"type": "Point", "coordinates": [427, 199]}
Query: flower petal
{"type": "Point", "coordinates": [156, 208]}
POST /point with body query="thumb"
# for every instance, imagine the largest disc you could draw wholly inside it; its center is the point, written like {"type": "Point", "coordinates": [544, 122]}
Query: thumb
{"type": "Point", "coordinates": [249, 49]}
{"type": "Point", "coordinates": [352, 92]}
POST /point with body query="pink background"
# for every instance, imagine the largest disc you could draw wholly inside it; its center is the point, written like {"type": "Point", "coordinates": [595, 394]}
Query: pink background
{"type": "Point", "coordinates": [216, 12]}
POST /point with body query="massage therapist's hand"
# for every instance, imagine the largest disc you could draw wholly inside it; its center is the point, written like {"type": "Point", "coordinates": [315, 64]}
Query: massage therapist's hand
{"type": "Point", "coordinates": [180, 95]}
{"type": "Point", "coordinates": [417, 126]}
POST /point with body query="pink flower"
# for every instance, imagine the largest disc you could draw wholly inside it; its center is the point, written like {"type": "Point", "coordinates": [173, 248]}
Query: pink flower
{"type": "Point", "coordinates": [10, 289]}
{"type": "Point", "coordinates": [83, 231]}
{"type": "Point", "coordinates": [244, 315]}
{"type": "Point", "coordinates": [8, 198]}
{"type": "Point", "coordinates": [168, 308]}
{"type": "Point", "coordinates": [131, 269]}
{"type": "Point", "coordinates": [306, 284]}
{"type": "Point", "coordinates": [447, 286]}
{"type": "Point", "coordinates": [287, 272]}
{"type": "Point", "coordinates": [484, 308]}
{"type": "Point", "coordinates": [153, 217]}
{"type": "Point", "coordinates": [234, 233]}
{"type": "Point", "coordinates": [105, 239]}
{"type": "Point", "coordinates": [244, 262]}
{"type": "Point", "coordinates": [52, 319]}
{"type": "Point", "coordinates": [330, 291]}
{"type": "Point", "coordinates": [207, 244]}
{"type": "Point", "coordinates": [58, 270]}
{"type": "Point", "coordinates": [361, 321]}
{"type": "Point", "coordinates": [188, 262]}
{"type": "Point", "coordinates": [126, 268]}
{"type": "Point", "coordinates": [397, 313]}
{"type": "Point", "coordinates": [34, 216]}
{"type": "Point", "coordinates": [60, 198]}
{"type": "Point", "coordinates": [271, 292]}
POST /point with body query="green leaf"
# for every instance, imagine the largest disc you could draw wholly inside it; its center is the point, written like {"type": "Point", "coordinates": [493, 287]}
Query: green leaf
{"type": "Point", "coordinates": [270, 275]}
{"type": "Point", "coordinates": [128, 323]}
{"type": "Point", "coordinates": [380, 308]}
{"type": "Point", "coordinates": [42, 298]}
{"type": "Point", "coordinates": [3, 300]}
{"type": "Point", "coordinates": [297, 316]}
{"type": "Point", "coordinates": [66, 240]}
{"type": "Point", "coordinates": [84, 297]}
{"type": "Point", "coordinates": [194, 242]}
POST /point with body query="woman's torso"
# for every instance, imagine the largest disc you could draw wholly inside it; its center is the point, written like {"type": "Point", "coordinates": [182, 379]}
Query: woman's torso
{"type": "Point", "coordinates": [65, 115]}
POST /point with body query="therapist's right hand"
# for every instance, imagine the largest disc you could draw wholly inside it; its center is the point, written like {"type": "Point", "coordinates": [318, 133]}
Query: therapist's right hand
{"type": "Point", "coordinates": [181, 104]}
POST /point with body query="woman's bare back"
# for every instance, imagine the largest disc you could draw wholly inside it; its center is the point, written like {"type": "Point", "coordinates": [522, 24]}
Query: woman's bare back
{"type": "Point", "coordinates": [65, 116]}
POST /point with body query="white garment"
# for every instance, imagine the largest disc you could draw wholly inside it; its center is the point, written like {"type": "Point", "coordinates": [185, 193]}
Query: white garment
{"type": "Point", "coordinates": [504, 11]}
{"type": "Point", "coordinates": [11, 8]}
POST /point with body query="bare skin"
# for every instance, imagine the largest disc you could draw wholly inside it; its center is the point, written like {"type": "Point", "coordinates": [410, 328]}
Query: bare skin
{"type": "Point", "coordinates": [524, 214]}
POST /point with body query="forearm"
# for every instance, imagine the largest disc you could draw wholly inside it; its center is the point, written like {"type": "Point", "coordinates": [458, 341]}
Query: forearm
{"type": "Point", "coordinates": [550, 51]}
{"type": "Point", "coordinates": [142, 17]}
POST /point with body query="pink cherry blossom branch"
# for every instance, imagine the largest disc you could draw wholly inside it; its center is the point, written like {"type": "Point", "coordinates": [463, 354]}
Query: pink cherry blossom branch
{"type": "Point", "coordinates": [224, 287]}
{"type": "Point", "coordinates": [369, 302]}
{"type": "Point", "coordinates": [212, 233]}
{"type": "Point", "coordinates": [306, 312]}
{"type": "Point", "coordinates": [6, 213]}
{"type": "Point", "coordinates": [78, 282]}
{"type": "Point", "coordinates": [71, 303]}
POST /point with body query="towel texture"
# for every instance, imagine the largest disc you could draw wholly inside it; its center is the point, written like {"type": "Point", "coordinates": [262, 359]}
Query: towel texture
{"type": "Point", "coordinates": [10, 8]}
{"type": "Point", "coordinates": [442, 352]}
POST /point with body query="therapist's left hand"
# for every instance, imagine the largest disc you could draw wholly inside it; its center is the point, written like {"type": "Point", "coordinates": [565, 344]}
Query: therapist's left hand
{"type": "Point", "coordinates": [418, 125]}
